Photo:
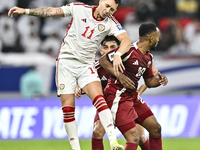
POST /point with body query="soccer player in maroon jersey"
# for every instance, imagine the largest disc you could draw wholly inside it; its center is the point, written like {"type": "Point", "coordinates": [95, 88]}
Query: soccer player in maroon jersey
{"type": "Point", "coordinates": [108, 44]}
{"type": "Point", "coordinates": [137, 62]}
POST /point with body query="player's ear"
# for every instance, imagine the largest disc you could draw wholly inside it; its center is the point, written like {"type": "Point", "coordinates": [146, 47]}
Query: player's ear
{"type": "Point", "coordinates": [151, 39]}
{"type": "Point", "coordinates": [100, 1]}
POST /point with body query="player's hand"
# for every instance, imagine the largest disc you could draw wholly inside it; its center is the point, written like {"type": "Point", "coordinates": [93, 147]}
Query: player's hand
{"type": "Point", "coordinates": [126, 81]}
{"type": "Point", "coordinates": [163, 79]}
{"type": "Point", "coordinates": [16, 10]}
{"type": "Point", "coordinates": [117, 65]}
{"type": "Point", "coordinates": [78, 92]}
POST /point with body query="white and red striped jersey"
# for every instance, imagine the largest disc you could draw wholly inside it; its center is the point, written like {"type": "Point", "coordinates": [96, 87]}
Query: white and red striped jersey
{"type": "Point", "coordinates": [85, 32]}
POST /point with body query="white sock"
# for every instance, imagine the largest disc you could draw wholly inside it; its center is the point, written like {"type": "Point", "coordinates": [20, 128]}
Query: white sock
{"type": "Point", "coordinates": [107, 122]}
{"type": "Point", "coordinates": [72, 132]}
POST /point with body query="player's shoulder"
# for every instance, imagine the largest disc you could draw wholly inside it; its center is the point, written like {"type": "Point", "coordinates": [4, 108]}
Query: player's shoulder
{"type": "Point", "coordinates": [150, 54]}
{"type": "Point", "coordinates": [113, 19]}
{"type": "Point", "coordinates": [78, 3]}
{"type": "Point", "coordinates": [81, 4]}
{"type": "Point", "coordinates": [131, 49]}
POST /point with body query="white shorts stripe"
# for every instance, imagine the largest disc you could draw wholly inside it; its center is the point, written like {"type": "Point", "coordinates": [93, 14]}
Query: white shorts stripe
{"type": "Point", "coordinates": [115, 104]}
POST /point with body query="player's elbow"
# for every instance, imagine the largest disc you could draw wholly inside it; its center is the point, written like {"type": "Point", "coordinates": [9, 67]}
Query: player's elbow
{"type": "Point", "coordinates": [155, 71]}
{"type": "Point", "coordinates": [148, 85]}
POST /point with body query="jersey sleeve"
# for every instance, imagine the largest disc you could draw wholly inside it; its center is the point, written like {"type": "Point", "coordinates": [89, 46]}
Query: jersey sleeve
{"type": "Point", "coordinates": [68, 9]}
{"type": "Point", "coordinates": [149, 71]}
{"type": "Point", "coordinates": [110, 55]}
{"type": "Point", "coordinates": [116, 27]}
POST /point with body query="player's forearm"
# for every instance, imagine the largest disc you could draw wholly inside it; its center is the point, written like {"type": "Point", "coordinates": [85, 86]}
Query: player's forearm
{"type": "Point", "coordinates": [107, 65]}
{"type": "Point", "coordinates": [152, 82]}
{"type": "Point", "coordinates": [125, 44]}
{"type": "Point", "coordinates": [142, 89]}
{"type": "Point", "coordinates": [47, 12]}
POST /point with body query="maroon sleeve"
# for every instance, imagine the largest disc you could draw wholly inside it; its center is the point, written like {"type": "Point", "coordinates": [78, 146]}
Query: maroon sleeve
{"type": "Point", "coordinates": [149, 72]}
{"type": "Point", "coordinates": [110, 55]}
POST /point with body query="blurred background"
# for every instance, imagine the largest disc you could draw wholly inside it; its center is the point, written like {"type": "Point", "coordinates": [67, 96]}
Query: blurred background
{"type": "Point", "coordinates": [29, 107]}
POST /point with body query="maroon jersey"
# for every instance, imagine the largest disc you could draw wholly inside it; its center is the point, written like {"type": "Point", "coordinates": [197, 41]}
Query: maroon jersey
{"type": "Point", "coordinates": [103, 74]}
{"type": "Point", "coordinates": [136, 65]}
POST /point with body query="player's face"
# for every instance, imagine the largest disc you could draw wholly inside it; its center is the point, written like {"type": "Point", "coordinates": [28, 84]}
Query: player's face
{"type": "Point", "coordinates": [106, 8]}
{"type": "Point", "coordinates": [108, 46]}
{"type": "Point", "coordinates": [156, 40]}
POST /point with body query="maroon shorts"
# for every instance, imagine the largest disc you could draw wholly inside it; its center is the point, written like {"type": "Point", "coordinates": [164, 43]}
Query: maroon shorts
{"type": "Point", "coordinates": [142, 109]}
{"type": "Point", "coordinates": [125, 115]}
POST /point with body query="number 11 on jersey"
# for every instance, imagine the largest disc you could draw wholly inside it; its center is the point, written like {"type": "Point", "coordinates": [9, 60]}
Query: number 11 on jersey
{"type": "Point", "coordinates": [86, 30]}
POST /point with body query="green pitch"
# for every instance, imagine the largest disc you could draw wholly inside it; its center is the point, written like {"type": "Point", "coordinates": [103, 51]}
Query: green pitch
{"type": "Point", "coordinates": [168, 144]}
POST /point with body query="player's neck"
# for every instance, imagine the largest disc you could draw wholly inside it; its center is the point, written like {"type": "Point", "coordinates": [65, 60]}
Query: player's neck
{"type": "Point", "coordinates": [142, 46]}
{"type": "Point", "coordinates": [96, 14]}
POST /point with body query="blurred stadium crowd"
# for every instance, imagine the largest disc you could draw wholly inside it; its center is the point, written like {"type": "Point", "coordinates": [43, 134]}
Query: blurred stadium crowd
{"type": "Point", "coordinates": [178, 20]}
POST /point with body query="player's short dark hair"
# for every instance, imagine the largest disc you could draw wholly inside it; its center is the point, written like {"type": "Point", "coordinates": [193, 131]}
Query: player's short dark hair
{"type": "Point", "coordinates": [110, 38]}
{"type": "Point", "coordinates": [118, 2]}
{"type": "Point", "coordinates": [146, 28]}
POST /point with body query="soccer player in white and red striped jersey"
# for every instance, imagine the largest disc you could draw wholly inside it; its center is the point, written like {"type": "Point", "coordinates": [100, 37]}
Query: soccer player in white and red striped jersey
{"type": "Point", "coordinates": [75, 62]}
{"type": "Point", "coordinates": [121, 98]}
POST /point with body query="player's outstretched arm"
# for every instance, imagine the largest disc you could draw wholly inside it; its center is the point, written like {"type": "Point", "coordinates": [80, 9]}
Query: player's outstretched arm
{"type": "Point", "coordinates": [38, 12]}
{"type": "Point", "coordinates": [125, 43]}
{"type": "Point", "coordinates": [124, 80]}
{"type": "Point", "coordinates": [144, 87]}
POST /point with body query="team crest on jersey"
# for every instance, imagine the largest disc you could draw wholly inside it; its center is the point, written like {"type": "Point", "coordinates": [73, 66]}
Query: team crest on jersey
{"type": "Point", "coordinates": [149, 63]}
{"type": "Point", "coordinates": [62, 86]}
{"type": "Point", "coordinates": [119, 27]}
{"type": "Point", "coordinates": [101, 27]}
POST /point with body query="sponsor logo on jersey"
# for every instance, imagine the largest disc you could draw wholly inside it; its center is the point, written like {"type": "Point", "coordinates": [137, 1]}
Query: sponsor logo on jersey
{"type": "Point", "coordinates": [136, 62]}
{"type": "Point", "coordinates": [84, 20]}
{"type": "Point", "coordinates": [62, 86]}
{"type": "Point", "coordinates": [101, 27]}
{"type": "Point", "coordinates": [104, 78]}
{"type": "Point", "coordinates": [119, 27]}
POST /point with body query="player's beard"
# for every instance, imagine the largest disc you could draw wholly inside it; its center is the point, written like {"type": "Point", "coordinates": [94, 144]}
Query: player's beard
{"type": "Point", "coordinates": [101, 16]}
{"type": "Point", "coordinates": [153, 46]}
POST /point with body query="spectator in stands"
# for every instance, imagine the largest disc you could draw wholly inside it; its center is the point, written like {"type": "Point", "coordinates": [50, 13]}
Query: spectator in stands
{"type": "Point", "coordinates": [186, 8]}
{"type": "Point", "coordinates": [4, 4]}
{"type": "Point", "coordinates": [51, 45]}
{"type": "Point", "coordinates": [32, 43]}
{"type": "Point", "coordinates": [174, 36]}
{"type": "Point", "coordinates": [131, 25]}
{"type": "Point", "coordinates": [27, 25]}
{"type": "Point", "coordinates": [145, 9]}
{"type": "Point", "coordinates": [8, 33]}
{"type": "Point", "coordinates": [31, 84]}
{"type": "Point", "coordinates": [190, 30]}
{"type": "Point", "coordinates": [194, 44]}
